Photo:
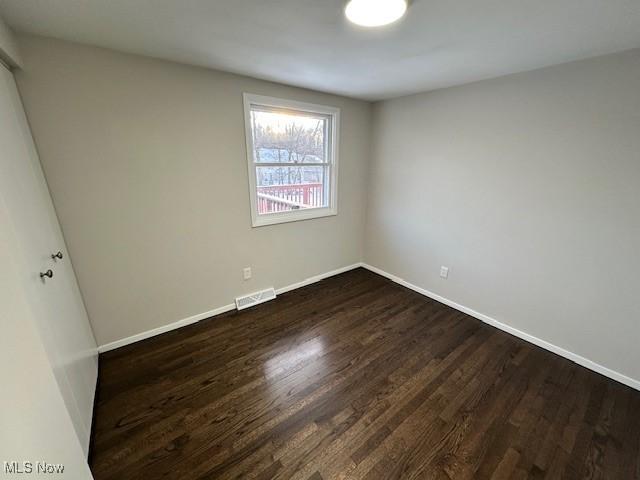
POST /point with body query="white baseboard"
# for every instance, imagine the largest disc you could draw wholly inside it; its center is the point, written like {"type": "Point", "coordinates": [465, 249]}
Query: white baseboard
{"type": "Point", "coordinates": [166, 328]}
{"type": "Point", "coordinates": [317, 278]}
{"type": "Point", "coordinates": [217, 311]}
{"type": "Point", "coordinates": [585, 362]}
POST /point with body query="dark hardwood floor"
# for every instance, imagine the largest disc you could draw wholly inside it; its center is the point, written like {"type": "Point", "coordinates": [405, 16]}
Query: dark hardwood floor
{"type": "Point", "coordinates": [356, 377]}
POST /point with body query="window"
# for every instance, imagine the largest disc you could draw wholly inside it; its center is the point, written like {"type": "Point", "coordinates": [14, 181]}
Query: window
{"type": "Point", "coordinates": [293, 160]}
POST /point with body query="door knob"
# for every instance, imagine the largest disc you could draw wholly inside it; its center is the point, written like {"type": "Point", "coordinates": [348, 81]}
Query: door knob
{"type": "Point", "coordinates": [58, 255]}
{"type": "Point", "coordinates": [48, 273]}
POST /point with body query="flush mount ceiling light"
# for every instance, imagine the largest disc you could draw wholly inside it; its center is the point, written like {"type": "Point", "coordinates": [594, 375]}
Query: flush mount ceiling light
{"type": "Point", "coordinates": [375, 13]}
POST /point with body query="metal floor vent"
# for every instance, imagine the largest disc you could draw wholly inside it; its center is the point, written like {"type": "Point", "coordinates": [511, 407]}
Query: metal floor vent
{"type": "Point", "coordinates": [252, 299]}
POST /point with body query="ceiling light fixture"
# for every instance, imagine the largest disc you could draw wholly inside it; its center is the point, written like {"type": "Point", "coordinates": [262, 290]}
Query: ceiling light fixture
{"type": "Point", "coordinates": [375, 13]}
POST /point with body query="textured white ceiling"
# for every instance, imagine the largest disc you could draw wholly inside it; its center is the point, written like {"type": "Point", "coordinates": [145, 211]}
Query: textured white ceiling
{"type": "Point", "coordinates": [308, 43]}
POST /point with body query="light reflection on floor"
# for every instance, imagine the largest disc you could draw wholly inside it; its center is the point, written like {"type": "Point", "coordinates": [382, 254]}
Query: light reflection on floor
{"type": "Point", "coordinates": [309, 355]}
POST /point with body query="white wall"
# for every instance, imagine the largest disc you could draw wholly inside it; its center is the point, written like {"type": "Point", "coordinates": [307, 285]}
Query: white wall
{"type": "Point", "coordinates": [147, 166]}
{"type": "Point", "coordinates": [528, 188]}
{"type": "Point", "coordinates": [35, 424]}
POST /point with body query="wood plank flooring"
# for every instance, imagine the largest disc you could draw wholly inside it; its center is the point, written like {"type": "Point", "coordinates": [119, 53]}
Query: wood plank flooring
{"type": "Point", "coordinates": [356, 377]}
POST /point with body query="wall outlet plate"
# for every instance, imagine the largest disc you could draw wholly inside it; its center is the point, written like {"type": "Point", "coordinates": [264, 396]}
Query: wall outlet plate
{"type": "Point", "coordinates": [246, 273]}
{"type": "Point", "coordinates": [444, 272]}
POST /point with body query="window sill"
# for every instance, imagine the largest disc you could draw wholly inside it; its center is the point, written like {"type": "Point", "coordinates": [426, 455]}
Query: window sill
{"type": "Point", "coordinates": [286, 217]}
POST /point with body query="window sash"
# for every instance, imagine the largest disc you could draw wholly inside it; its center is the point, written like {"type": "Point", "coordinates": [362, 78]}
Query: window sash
{"type": "Point", "coordinates": [327, 185]}
{"type": "Point", "coordinates": [290, 164]}
{"type": "Point", "coordinates": [329, 120]}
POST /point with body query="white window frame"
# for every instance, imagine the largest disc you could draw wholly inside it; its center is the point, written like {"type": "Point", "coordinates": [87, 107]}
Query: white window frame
{"type": "Point", "coordinates": [296, 215]}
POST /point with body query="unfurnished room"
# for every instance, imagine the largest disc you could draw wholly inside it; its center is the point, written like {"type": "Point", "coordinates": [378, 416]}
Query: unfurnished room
{"type": "Point", "coordinates": [320, 239]}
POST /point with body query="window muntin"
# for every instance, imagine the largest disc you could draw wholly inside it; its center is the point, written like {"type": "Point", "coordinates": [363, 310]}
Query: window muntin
{"type": "Point", "coordinates": [292, 158]}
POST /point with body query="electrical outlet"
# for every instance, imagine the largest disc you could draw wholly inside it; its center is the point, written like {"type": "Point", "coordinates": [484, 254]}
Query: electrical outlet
{"type": "Point", "coordinates": [444, 272]}
{"type": "Point", "coordinates": [246, 273]}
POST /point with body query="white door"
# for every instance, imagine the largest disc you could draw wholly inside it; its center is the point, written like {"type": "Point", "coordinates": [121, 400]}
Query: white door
{"type": "Point", "coordinates": [34, 422]}
{"type": "Point", "coordinates": [56, 302]}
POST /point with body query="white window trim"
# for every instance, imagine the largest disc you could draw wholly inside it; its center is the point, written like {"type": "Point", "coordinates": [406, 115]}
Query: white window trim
{"type": "Point", "coordinates": [293, 216]}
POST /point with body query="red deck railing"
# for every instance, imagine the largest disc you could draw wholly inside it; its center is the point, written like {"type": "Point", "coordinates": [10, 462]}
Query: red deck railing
{"type": "Point", "coordinates": [284, 198]}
